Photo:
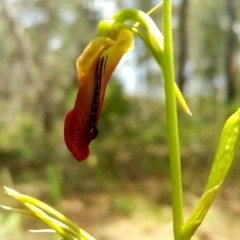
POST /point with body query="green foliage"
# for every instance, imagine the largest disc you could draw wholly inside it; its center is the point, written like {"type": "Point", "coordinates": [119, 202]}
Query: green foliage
{"type": "Point", "coordinates": [225, 153]}
{"type": "Point", "coordinates": [54, 178]}
{"type": "Point", "coordinates": [124, 204]}
{"type": "Point", "coordinates": [10, 222]}
{"type": "Point", "coordinates": [130, 143]}
{"type": "Point", "coordinates": [55, 220]}
{"type": "Point", "coordinates": [116, 106]}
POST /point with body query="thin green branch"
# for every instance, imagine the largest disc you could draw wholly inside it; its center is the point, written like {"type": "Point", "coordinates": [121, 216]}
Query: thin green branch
{"type": "Point", "coordinates": [172, 122]}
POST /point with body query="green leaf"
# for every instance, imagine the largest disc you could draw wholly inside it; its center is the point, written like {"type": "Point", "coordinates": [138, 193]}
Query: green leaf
{"type": "Point", "coordinates": [57, 221]}
{"type": "Point", "coordinates": [226, 151]}
{"type": "Point", "coordinates": [199, 212]}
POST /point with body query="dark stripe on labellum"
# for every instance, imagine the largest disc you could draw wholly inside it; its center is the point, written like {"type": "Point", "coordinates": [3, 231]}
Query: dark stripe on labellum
{"type": "Point", "coordinates": [101, 65]}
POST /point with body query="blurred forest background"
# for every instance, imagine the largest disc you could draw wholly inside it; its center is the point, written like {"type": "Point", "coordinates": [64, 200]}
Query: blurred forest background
{"type": "Point", "coordinates": [123, 187]}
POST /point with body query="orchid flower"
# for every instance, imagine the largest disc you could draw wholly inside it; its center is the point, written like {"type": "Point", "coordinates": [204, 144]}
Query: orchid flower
{"type": "Point", "coordinates": [94, 69]}
{"type": "Point", "coordinates": [96, 65]}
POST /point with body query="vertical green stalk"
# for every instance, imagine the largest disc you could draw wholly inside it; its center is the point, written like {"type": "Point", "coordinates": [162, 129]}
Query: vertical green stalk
{"type": "Point", "coordinates": [172, 122]}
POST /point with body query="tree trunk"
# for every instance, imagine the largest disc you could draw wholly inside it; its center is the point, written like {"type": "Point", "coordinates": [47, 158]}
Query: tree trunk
{"type": "Point", "coordinates": [183, 50]}
{"type": "Point", "coordinates": [230, 45]}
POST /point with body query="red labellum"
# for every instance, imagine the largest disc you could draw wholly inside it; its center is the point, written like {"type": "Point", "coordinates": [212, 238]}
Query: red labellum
{"type": "Point", "coordinates": [94, 68]}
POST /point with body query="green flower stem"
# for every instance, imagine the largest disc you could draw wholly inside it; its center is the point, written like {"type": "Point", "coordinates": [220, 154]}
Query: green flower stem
{"type": "Point", "coordinates": [145, 39]}
{"type": "Point", "coordinates": [154, 35]}
{"type": "Point", "coordinates": [163, 54]}
{"type": "Point", "coordinates": [172, 122]}
{"type": "Point", "coordinates": [151, 36]}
